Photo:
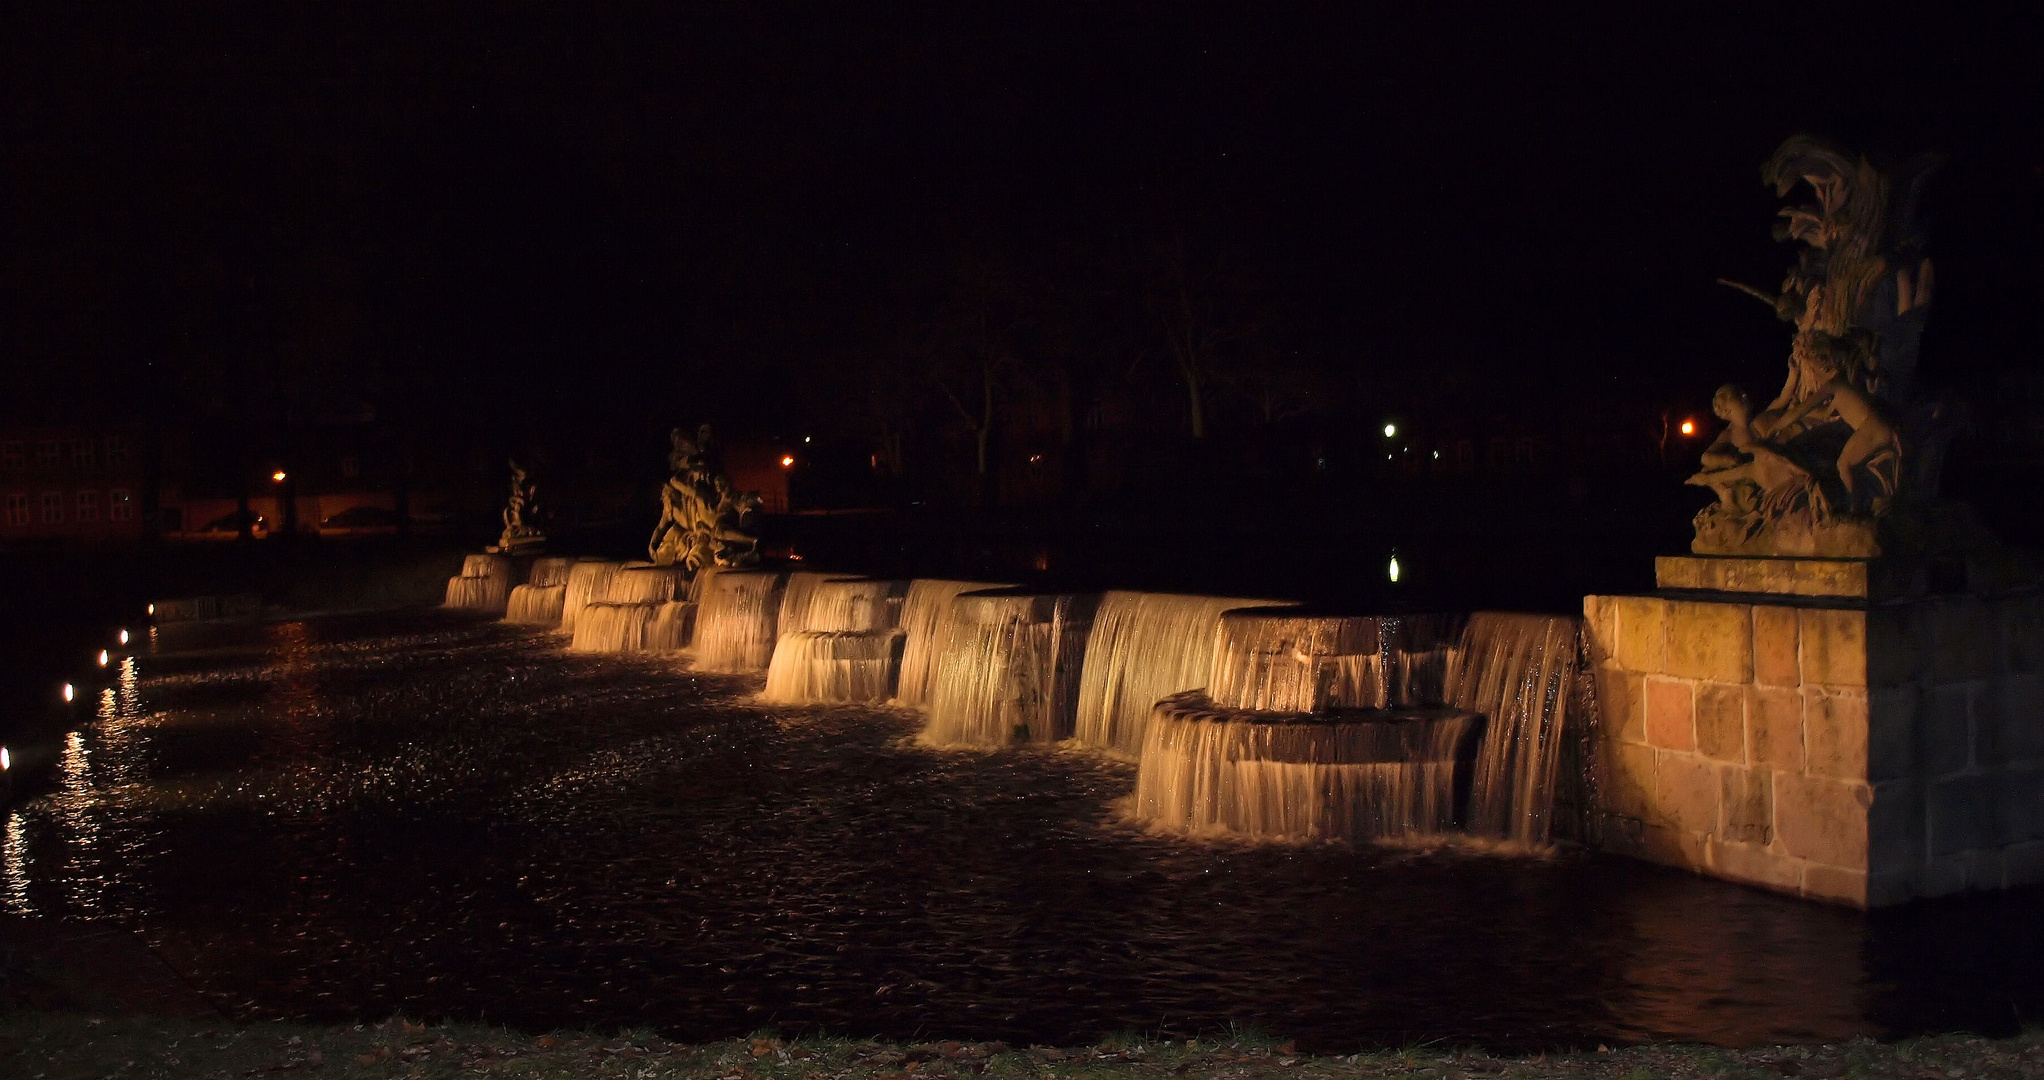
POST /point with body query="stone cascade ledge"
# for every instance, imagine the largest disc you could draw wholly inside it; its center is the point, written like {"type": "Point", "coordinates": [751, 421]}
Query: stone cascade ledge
{"type": "Point", "coordinates": [1989, 572]}
{"type": "Point", "coordinates": [1855, 752]}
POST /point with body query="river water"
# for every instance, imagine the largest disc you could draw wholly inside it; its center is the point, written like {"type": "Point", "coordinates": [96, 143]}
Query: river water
{"type": "Point", "coordinates": [425, 813]}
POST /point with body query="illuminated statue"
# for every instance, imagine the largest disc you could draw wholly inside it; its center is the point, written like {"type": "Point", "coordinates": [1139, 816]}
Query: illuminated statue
{"type": "Point", "coordinates": [522, 516]}
{"type": "Point", "coordinates": [1845, 443]}
{"type": "Point", "coordinates": [703, 521]}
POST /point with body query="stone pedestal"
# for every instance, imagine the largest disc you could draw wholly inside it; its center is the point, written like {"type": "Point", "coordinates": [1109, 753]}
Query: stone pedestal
{"type": "Point", "coordinates": [1857, 731]}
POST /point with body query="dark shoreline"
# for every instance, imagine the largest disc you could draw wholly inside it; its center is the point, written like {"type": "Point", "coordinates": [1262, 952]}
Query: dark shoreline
{"type": "Point", "coordinates": [63, 1045]}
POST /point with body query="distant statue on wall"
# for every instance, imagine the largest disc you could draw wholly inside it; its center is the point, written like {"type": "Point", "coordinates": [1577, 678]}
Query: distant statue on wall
{"type": "Point", "coordinates": [703, 521]}
{"type": "Point", "coordinates": [1847, 443]}
{"type": "Point", "coordinates": [523, 516]}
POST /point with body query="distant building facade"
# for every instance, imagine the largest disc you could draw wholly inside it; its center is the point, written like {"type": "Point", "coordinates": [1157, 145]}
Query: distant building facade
{"type": "Point", "coordinates": [71, 482]}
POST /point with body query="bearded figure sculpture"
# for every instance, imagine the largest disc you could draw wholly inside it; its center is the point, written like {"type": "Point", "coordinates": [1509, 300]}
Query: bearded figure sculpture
{"type": "Point", "coordinates": [704, 522]}
{"type": "Point", "coordinates": [1848, 450]}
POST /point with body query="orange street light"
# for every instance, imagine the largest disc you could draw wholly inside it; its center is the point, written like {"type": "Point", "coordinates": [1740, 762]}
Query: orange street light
{"type": "Point", "coordinates": [278, 476]}
{"type": "Point", "coordinates": [787, 461]}
{"type": "Point", "coordinates": [1688, 427]}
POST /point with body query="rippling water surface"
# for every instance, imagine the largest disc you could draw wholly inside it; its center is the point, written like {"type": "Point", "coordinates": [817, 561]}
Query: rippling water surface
{"type": "Point", "coordinates": [351, 816]}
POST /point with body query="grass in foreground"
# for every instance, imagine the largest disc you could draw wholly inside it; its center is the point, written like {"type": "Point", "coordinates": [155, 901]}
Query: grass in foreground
{"type": "Point", "coordinates": [65, 1046]}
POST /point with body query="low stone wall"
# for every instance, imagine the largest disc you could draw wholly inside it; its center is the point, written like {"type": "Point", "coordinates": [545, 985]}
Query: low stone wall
{"type": "Point", "coordinates": [1862, 753]}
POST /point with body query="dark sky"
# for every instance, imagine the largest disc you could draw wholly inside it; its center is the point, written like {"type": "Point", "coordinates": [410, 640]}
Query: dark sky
{"type": "Point", "coordinates": [477, 207]}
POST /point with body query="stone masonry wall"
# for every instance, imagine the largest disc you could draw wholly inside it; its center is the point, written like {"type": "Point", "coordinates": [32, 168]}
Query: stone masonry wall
{"type": "Point", "coordinates": [1861, 754]}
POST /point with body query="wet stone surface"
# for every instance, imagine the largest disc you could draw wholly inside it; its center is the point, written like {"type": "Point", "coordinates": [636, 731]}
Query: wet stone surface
{"type": "Point", "coordinates": [452, 818]}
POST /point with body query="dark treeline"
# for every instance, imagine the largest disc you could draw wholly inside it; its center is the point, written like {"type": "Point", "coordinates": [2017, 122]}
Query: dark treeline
{"type": "Point", "coordinates": [944, 238]}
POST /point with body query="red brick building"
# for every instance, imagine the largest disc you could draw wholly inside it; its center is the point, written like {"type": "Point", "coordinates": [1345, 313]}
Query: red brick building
{"type": "Point", "coordinates": [70, 483]}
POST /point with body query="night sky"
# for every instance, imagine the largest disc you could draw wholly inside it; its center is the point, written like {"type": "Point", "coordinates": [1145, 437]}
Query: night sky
{"type": "Point", "coordinates": [518, 210]}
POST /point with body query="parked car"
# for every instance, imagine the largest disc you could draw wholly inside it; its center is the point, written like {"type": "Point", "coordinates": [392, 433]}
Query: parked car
{"type": "Point", "coordinates": [359, 520]}
{"type": "Point", "coordinates": [229, 524]}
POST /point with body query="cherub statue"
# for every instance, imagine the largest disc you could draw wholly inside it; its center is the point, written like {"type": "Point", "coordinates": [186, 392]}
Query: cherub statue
{"type": "Point", "coordinates": [1809, 473]}
{"type": "Point", "coordinates": [1868, 465]}
{"type": "Point", "coordinates": [1754, 482]}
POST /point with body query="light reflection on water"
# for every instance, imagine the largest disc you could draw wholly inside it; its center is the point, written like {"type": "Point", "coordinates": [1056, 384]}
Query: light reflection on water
{"type": "Point", "coordinates": [15, 865]}
{"type": "Point", "coordinates": [452, 818]}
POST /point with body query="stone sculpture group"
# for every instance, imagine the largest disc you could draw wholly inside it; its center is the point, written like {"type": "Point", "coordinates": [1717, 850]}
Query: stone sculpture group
{"type": "Point", "coordinates": [1846, 457]}
{"type": "Point", "coordinates": [704, 521]}
{"type": "Point", "coordinates": [523, 533]}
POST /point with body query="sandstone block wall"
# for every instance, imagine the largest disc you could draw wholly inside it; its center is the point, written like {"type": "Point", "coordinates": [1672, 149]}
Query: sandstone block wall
{"type": "Point", "coordinates": [1858, 753]}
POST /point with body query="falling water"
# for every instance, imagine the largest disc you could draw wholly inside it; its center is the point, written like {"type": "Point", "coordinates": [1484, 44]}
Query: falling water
{"type": "Point", "coordinates": [700, 584]}
{"type": "Point", "coordinates": [1296, 663]}
{"type": "Point", "coordinates": [586, 580]}
{"type": "Point", "coordinates": [926, 627]}
{"type": "Point", "coordinates": [825, 666]}
{"type": "Point", "coordinates": [611, 628]}
{"type": "Point", "coordinates": [672, 625]}
{"type": "Point", "coordinates": [1344, 775]}
{"type": "Point", "coordinates": [796, 595]}
{"type": "Point", "coordinates": [1520, 671]}
{"type": "Point", "coordinates": [618, 617]}
{"type": "Point", "coordinates": [641, 583]}
{"type": "Point", "coordinates": [1420, 676]}
{"type": "Point", "coordinates": [1008, 670]}
{"type": "Point", "coordinates": [484, 584]}
{"type": "Point", "coordinates": [1143, 647]}
{"type": "Point", "coordinates": [856, 604]}
{"type": "Point", "coordinates": [538, 601]}
{"type": "Point", "coordinates": [837, 641]}
{"type": "Point", "coordinates": [552, 570]}
{"type": "Point", "coordinates": [1285, 659]}
{"type": "Point", "coordinates": [834, 602]}
{"type": "Point", "coordinates": [735, 615]}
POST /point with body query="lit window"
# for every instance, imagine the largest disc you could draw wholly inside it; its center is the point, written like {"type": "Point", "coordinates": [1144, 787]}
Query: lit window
{"type": "Point", "coordinates": [116, 450]}
{"type": "Point", "coordinates": [82, 456]}
{"type": "Point", "coordinates": [120, 505]}
{"type": "Point", "coordinates": [48, 451]}
{"type": "Point", "coordinates": [88, 506]}
{"type": "Point", "coordinates": [53, 507]}
{"type": "Point", "coordinates": [17, 508]}
{"type": "Point", "coordinates": [13, 455]}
